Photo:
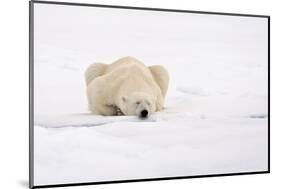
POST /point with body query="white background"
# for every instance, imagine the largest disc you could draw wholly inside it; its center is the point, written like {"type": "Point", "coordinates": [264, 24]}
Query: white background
{"type": "Point", "coordinates": [14, 93]}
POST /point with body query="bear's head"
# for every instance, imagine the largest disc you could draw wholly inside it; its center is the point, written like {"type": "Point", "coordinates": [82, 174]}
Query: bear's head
{"type": "Point", "coordinates": [138, 103]}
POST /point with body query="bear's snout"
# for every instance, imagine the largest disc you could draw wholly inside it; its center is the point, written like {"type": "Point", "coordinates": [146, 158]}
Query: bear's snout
{"type": "Point", "coordinates": [142, 110]}
{"type": "Point", "coordinates": [143, 114]}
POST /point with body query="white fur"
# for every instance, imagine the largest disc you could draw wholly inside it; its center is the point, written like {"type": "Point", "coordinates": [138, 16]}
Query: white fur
{"type": "Point", "coordinates": [126, 84]}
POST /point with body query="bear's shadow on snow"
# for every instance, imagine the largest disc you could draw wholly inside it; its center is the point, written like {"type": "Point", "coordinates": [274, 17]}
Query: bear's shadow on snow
{"type": "Point", "coordinates": [87, 120]}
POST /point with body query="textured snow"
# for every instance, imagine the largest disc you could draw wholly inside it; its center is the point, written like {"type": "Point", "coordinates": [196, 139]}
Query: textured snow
{"type": "Point", "coordinates": [215, 117]}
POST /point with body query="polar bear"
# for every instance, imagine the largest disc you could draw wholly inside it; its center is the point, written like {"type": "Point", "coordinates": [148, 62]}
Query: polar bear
{"type": "Point", "coordinates": [126, 85]}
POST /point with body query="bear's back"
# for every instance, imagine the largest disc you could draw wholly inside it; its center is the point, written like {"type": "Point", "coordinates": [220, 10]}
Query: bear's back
{"type": "Point", "coordinates": [124, 63]}
{"type": "Point", "coordinates": [129, 72]}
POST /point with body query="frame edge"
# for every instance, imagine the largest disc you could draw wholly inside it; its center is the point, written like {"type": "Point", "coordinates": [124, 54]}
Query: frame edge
{"type": "Point", "coordinates": [31, 58]}
{"type": "Point", "coordinates": [149, 9]}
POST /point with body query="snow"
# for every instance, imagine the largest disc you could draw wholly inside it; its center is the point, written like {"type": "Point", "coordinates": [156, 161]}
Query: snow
{"type": "Point", "coordinates": [215, 117]}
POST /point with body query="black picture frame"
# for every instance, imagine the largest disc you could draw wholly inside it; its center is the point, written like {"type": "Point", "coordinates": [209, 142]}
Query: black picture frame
{"type": "Point", "coordinates": [31, 92]}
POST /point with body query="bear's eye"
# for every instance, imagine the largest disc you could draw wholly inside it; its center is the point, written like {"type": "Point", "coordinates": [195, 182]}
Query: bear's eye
{"type": "Point", "coordinates": [138, 102]}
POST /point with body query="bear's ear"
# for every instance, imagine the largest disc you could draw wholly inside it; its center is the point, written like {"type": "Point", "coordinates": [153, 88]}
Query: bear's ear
{"type": "Point", "coordinates": [124, 98]}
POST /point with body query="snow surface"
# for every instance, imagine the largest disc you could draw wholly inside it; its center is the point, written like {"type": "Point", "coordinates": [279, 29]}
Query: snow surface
{"type": "Point", "coordinates": [215, 117]}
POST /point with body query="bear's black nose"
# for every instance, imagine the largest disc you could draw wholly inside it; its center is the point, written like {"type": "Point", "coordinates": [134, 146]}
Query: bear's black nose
{"type": "Point", "coordinates": [144, 113]}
